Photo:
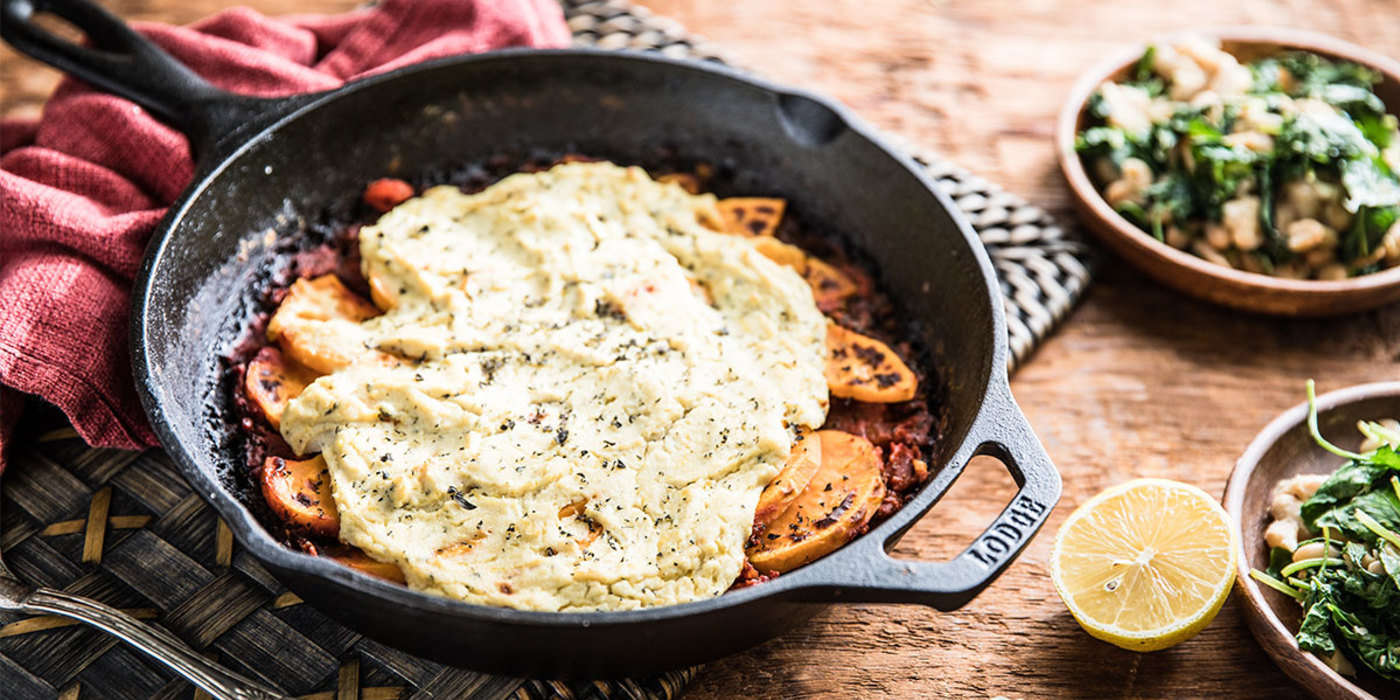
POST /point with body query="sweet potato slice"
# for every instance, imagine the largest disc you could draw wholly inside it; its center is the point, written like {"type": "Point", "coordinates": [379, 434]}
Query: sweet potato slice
{"type": "Point", "coordinates": [752, 216]}
{"type": "Point", "coordinates": [783, 254]}
{"type": "Point", "coordinates": [865, 369]}
{"type": "Point", "coordinates": [687, 182]}
{"type": "Point", "coordinates": [299, 493]}
{"type": "Point", "coordinates": [802, 462]}
{"type": "Point", "coordinates": [830, 286]}
{"type": "Point", "coordinates": [381, 292]}
{"type": "Point", "coordinates": [317, 325]}
{"type": "Point", "coordinates": [272, 381]}
{"type": "Point", "coordinates": [832, 510]}
{"type": "Point", "coordinates": [358, 560]}
{"type": "Point", "coordinates": [386, 193]}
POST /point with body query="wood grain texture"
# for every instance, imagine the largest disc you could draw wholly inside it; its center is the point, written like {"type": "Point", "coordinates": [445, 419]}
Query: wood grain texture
{"type": "Point", "coordinates": [1139, 383]}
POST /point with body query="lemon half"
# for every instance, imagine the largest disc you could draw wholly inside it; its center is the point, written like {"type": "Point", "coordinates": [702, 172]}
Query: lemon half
{"type": "Point", "coordinates": [1146, 564]}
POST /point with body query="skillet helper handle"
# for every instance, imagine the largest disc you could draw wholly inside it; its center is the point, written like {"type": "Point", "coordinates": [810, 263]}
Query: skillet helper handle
{"type": "Point", "coordinates": [160, 645]}
{"type": "Point", "coordinates": [1001, 431]}
{"type": "Point", "coordinates": [124, 63]}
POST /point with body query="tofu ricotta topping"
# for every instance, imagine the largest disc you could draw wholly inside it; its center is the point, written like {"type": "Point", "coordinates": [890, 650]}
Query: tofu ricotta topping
{"type": "Point", "coordinates": [574, 398]}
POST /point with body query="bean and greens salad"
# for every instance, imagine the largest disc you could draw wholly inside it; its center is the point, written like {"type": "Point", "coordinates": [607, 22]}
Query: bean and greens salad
{"type": "Point", "coordinates": [1285, 166]}
{"type": "Point", "coordinates": [1345, 571]}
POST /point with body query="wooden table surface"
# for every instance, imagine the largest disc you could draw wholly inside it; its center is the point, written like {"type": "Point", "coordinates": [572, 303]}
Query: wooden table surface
{"type": "Point", "coordinates": [1139, 382]}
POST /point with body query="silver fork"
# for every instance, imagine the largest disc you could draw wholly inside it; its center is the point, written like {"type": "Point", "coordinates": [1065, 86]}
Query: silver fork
{"type": "Point", "coordinates": [154, 641]}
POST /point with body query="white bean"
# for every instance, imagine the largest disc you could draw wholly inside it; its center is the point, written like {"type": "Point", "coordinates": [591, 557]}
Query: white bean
{"type": "Point", "coordinates": [1218, 236]}
{"type": "Point", "coordinates": [1314, 550]}
{"type": "Point", "coordinates": [1253, 140]}
{"type": "Point", "coordinates": [1241, 217]}
{"type": "Point", "coordinates": [1177, 237]}
{"type": "Point", "coordinates": [1126, 107]}
{"type": "Point", "coordinates": [1231, 78]}
{"type": "Point", "coordinates": [1186, 81]}
{"type": "Point", "coordinates": [1137, 172]}
{"type": "Point", "coordinates": [1391, 243]}
{"type": "Point", "coordinates": [1285, 506]}
{"type": "Point", "coordinates": [1304, 199]}
{"type": "Point", "coordinates": [1335, 214]}
{"type": "Point", "coordinates": [1303, 486]}
{"type": "Point", "coordinates": [1203, 51]}
{"type": "Point", "coordinates": [1282, 533]}
{"type": "Point", "coordinates": [1209, 254]}
{"type": "Point", "coordinates": [1306, 234]}
{"type": "Point", "coordinates": [1254, 263]}
{"type": "Point", "coordinates": [1247, 238]}
{"type": "Point", "coordinates": [1119, 191]}
{"type": "Point", "coordinates": [1333, 272]}
{"type": "Point", "coordinates": [1285, 215]}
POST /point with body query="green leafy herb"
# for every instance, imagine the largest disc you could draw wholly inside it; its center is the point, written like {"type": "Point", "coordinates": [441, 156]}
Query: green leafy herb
{"type": "Point", "coordinates": [1350, 605]}
{"type": "Point", "coordinates": [1325, 124]}
{"type": "Point", "coordinates": [1142, 71]}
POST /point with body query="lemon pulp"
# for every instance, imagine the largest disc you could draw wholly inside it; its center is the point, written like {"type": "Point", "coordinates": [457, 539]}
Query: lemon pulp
{"type": "Point", "coordinates": [1146, 564]}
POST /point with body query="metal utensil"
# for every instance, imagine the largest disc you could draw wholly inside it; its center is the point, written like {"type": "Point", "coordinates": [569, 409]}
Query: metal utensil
{"type": "Point", "coordinates": [159, 644]}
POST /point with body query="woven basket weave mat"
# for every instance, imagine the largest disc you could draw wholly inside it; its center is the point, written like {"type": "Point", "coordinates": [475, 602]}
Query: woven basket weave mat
{"type": "Point", "coordinates": [124, 528]}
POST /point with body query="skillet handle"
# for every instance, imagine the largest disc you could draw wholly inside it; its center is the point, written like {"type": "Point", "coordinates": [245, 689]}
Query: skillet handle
{"type": "Point", "coordinates": [127, 64]}
{"type": "Point", "coordinates": [869, 574]}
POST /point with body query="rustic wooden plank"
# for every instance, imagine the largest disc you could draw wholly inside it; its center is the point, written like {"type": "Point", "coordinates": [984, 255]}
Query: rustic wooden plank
{"type": "Point", "coordinates": [1140, 382]}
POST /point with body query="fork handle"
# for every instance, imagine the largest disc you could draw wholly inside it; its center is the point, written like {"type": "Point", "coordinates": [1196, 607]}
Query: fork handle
{"type": "Point", "coordinates": [155, 641]}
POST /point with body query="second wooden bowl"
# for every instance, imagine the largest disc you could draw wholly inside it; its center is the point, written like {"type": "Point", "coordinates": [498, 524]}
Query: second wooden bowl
{"type": "Point", "coordinates": [1285, 449]}
{"type": "Point", "coordinates": [1183, 271]}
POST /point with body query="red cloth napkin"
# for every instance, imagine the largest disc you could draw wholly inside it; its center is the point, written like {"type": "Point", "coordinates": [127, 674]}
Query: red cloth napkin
{"type": "Point", "coordinates": [82, 188]}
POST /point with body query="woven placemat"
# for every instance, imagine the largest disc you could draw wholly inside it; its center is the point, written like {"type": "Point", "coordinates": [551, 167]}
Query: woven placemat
{"type": "Point", "coordinates": [123, 527]}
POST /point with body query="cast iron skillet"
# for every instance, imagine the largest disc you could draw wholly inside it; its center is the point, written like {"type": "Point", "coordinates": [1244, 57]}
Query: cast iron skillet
{"type": "Point", "coordinates": [266, 163]}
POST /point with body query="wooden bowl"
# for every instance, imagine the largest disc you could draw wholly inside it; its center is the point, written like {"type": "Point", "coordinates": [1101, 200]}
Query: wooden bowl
{"type": "Point", "coordinates": [1285, 449]}
{"type": "Point", "coordinates": [1192, 275]}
